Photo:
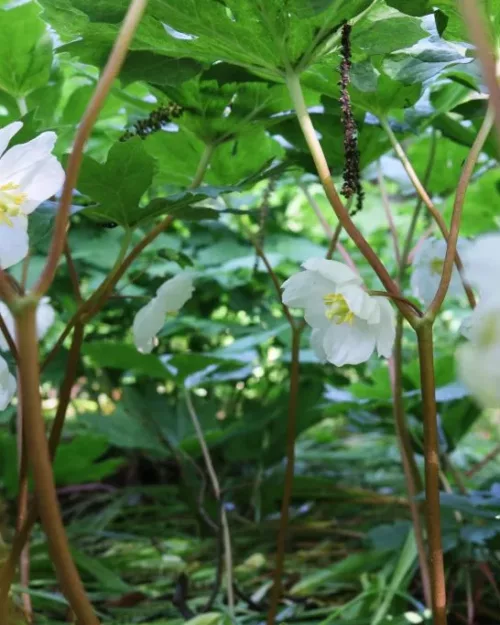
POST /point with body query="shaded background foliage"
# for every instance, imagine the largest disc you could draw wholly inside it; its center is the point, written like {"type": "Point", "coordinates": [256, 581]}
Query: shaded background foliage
{"type": "Point", "coordinates": [129, 469]}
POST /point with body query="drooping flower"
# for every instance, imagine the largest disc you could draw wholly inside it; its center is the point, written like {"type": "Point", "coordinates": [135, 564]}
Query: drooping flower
{"type": "Point", "coordinates": [29, 175]}
{"type": "Point", "coordinates": [7, 385]}
{"type": "Point", "coordinates": [45, 317]}
{"type": "Point", "coordinates": [478, 359]}
{"type": "Point", "coordinates": [348, 324]}
{"type": "Point", "coordinates": [170, 298]}
{"type": "Point", "coordinates": [481, 262]}
{"type": "Point", "coordinates": [428, 267]}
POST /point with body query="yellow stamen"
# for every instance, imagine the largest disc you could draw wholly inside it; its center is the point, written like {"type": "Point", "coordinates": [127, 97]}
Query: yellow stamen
{"type": "Point", "coordinates": [338, 309]}
{"type": "Point", "coordinates": [437, 266]}
{"type": "Point", "coordinates": [10, 201]}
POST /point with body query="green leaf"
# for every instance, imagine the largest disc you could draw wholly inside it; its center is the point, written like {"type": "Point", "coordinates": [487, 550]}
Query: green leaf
{"type": "Point", "coordinates": [119, 183]}
{"type": "Point", "coordinates": [125, 357]}
{"type": "Point", "coordinates": [262, 37]}
{"type": "Point", "coordinates": [25, 50]}
{"type": "Point", "coordinates": [108, 580]}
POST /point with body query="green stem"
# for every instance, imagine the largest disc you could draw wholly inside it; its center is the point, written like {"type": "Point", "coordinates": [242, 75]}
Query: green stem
{"type": "Point", "coordinates": [431, 451]}
{"type": "Point", "coordinates": [323, 170]}
{"type": "Point", "coordinates": [39, 458]}
{"type": "Point", "coordinates": [289, 474]}
{"type": "Point", "coordinates": [22, 105]}
{"type": "Point", "coordinates": [202, 166]}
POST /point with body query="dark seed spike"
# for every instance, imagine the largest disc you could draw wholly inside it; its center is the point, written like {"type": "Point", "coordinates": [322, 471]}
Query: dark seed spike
{"type": "Point", "coordinates": [352, 177]}
{"type": "Point", "coordinates": [154, 121]}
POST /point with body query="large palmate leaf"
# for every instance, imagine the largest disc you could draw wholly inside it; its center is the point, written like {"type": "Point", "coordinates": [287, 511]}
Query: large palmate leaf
{"type": "Point", "coordinates": [265, 36]}
{"type": "Point", "coordinates": [25, 50]}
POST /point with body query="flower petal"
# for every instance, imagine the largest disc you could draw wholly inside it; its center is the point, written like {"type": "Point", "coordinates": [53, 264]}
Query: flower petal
{"type": "Point", "coordinates": [361, 304]}
{"type": "Point", "coordinates": [22, 159]}
{"type": "Point", "coordinates": [174, 293]}
{"type": "Point", "coordinates": [303, 287]}
{"type": "Point", "coordinates": [14, 242]}
{"type": "Point", "coordinates": [317, 338]}
{"type": "Point", "coordinates": [7, 385]}
{"type": "Point", "coordinates": [147, 323]}
{"type": "Point", "coordinates": [347, 344]}
{"type": "Point", "coordinates": [336, 272]}
{"type": "Point", "coordinates": [6, 134]}
{"type": "Point", "coordinates": [41, 183]}
{"type": "Point", "coordinates": [386, 330]}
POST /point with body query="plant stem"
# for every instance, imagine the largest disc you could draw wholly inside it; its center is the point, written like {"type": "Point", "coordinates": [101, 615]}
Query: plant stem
{"type": "Point", "coordinates": [22, 533]}
{"type": "Point", "coordinates": [334, 242]}
{"type": "Point", "coordinates": [289, 474]}
{"type": "Point", "coordinates": [420, 189]}
{"type": "Point", "coordinates": [316, 150]}
{"type": "Point", "coordinates": [22, 106]}
{"type": "Point", "coordinates": [431, 450]}
{"type": "Point", "coordinates": [412, 474]}
{"type": "Point", "coordinates": [110, 72]}
{"type": "Point", "coordinates": [202, 166]}
{"type": "Point", "coordinates": [463, 183]}
{"type": "Point", "coordinates": [214, 480]}
{"type": "Point", "coordinates": [481, 36]}
{"type": "Point", "coordinates": [38, 454]}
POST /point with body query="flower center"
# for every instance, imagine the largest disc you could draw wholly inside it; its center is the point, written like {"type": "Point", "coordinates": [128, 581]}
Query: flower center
{"type": "Point", "coordinates": [10, 202]}
{"type": "Point", "coordinates": [337, 309]}
{"type": "Point", "coordinates": [437, 266]}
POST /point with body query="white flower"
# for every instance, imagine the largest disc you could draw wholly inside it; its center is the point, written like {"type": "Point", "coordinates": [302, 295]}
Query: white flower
{"type": "Point", "coordinates": [170, 298]}
{"type": "Point", "coordinates": [45, 317]}
{"type": "Point", "coordinates": [478, 359]}
{"type": "Point", "coordinates": [7, 385]}
{"type": "Point", "coordinates": [348, 323]}
{"type": "Point", "coordinates": [428, 267]}
{"type": "Point", "coordinates": [482, 265]}
{"type": "Point", "coordinates": [29, 175]}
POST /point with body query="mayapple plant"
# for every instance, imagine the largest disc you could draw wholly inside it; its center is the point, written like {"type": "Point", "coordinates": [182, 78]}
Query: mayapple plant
{"type": "Point", "coordinates": [349, 321]}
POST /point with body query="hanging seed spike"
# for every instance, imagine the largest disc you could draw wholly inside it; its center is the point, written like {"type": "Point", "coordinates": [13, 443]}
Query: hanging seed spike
{"type": "Point", "coordinates": [351, 174]}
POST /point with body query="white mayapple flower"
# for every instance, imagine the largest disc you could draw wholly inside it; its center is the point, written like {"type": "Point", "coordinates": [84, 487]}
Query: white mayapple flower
{"type": "Point", "coordinates": [29, 175]}
{"type": "Point", "coordinates": [7, 385]}
{"type": "Point", "coordinates": [45, 317]}
{"type": "Point", "coordinates": [482, 265]}
{"type": "Point", "coordinates": [170, 298]}
{"type": "Point", "coordinates": [478, 359]}
{"type": "Point", "coordinates": [348, 323]}
{"type": "Point", "coordinates": [428, 267]}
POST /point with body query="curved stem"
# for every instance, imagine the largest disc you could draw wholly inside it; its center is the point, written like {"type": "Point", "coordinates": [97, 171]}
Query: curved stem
{"type": "Point", "coordinates": [110, 72]}
{"type": "Point", "coordinates": [323, 170]}
{"type": "Point", "coordinates": [289, 474]}
{"type": "Point", "coordinates": [463, 183]}
{"type": "Point", "coordinates": [431, 451]}
{"type": "Point", "coordinates": [334, 243]}
{"type": "Point", "coordinates": [420, 189]}
{"type": "Point", "coordinates": [38, 453]}
{"type": "Point", "coordinates": [480, 35]}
